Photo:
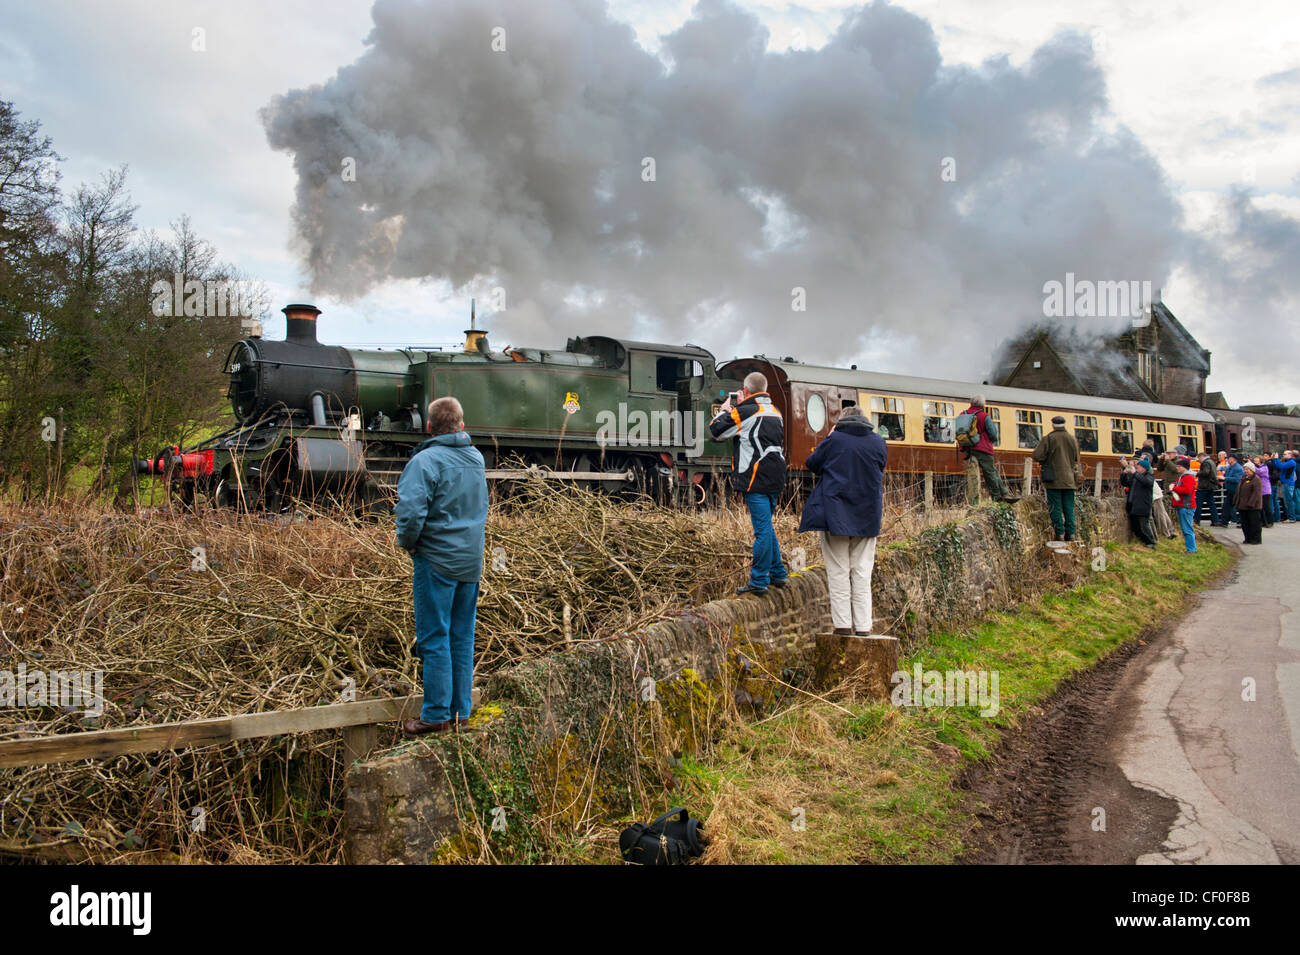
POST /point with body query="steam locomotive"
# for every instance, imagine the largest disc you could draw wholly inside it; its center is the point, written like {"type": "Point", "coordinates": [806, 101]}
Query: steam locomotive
{"type": "Point", "coordinates": [317, 421]}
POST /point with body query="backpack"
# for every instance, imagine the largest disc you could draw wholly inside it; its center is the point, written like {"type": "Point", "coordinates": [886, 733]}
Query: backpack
{"type": "Point", "coordinates": [968, 430]}
{"type": "Point", "coordinates": [664, 842]}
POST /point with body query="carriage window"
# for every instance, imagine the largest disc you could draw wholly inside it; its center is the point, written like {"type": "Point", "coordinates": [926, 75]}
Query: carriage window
{"type": "Point", "coordinates": [1187, 438]}
{"type": "Point", "coordinates": [816, 413]}
{"type": "Point", "coordinates": [1121, 435]}
{"type": "Point", "coordinates": [995, 414]}
{"type": "Point", "coordinates": [1085, 432]}
{"type": "Point", "coordinates": [1276, 442]}
{"type": "Point", "coordinates": [1156, 435]}
{"type": "Point", "coordinates": [939, 419]}
{"type": "Point", "coordinates": [887, 416]}
{"type": "Point", "coordinates": [1029, 428]}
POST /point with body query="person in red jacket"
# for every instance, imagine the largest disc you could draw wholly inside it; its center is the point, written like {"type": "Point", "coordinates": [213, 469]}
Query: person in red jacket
{"type": "Point", "coordinates": [1183, 496]}
{"type": "Point", "coordinates": [982, 453]}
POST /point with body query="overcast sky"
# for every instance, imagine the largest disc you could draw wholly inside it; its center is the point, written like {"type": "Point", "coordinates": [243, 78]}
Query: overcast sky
{"type": "Point", "coordinates": [1177, 120]}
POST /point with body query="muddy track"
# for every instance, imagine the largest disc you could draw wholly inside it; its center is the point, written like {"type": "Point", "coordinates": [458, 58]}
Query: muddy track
{"type": "Point", "coordinates": [1034, 801]}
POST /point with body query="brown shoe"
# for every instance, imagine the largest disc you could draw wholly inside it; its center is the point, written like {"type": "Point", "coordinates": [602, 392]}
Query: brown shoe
{"type": "Point", "coordinates": [418, 727]}
{"type": "Point", "coordinates": [843, 632]}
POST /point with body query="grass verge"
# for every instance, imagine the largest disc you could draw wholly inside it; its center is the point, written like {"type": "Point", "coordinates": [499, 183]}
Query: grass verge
{"type": "Point", "coordinates": [828, 781]}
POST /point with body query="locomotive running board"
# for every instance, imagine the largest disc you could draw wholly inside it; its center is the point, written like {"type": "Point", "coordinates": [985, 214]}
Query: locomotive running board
{"type": "Point", "coordinates": [524, 474]}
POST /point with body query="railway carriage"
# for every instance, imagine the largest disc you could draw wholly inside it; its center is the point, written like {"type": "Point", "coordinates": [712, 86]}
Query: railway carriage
{"type": "Point", "coordinates": [917, 416]}
{"type": "Point", "coordinates": [1255, 433]}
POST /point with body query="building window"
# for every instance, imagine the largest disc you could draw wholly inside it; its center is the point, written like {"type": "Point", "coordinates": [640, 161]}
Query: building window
{"type": "Point", "coordinates": [1187, 438]}
{"type": "Point", "coordinates": [1146, 368]}
{"type": "Point", "coordinates": [887, 416]}
{"type": "Point", "coordinates": [939, 419]}
{"type": "Point", "coordinates": [1121, 436]}
{"type": "Point", "coordinates": [1156, 435]}
{"type": "Point", "coordinates": [1085, 432]}
{"type": "Point", "coordinates": [816, 413]}
{"type": "Point", "coordinates": [1029, 428]}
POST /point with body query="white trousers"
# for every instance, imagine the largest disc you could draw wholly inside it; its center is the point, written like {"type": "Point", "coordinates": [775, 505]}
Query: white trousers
{"type": "Point", "coordinates": [849, 562]}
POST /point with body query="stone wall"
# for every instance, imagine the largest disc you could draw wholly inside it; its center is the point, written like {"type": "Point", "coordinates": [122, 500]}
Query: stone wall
{"type": "Point", "coordinates": [593, 733]}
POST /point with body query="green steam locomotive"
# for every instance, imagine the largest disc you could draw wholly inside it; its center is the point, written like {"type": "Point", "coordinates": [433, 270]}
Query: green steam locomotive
{"type": "Point", "coordinates": [320, 421]}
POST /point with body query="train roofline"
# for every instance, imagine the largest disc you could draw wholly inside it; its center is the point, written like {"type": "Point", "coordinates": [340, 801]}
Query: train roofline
{"type": "Point", "coordinates": [886, 383]}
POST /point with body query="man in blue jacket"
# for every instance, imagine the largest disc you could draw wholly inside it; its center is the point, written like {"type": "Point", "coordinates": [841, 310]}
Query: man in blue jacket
{"type": "Point", "coordinates": [441, 513]}
{"type": "Point", "coordinates": [1286, 467]}
{"type": "Point", "coordinates": [846, 507]}
{"type": "Point", "coordinates": [1232, 476]}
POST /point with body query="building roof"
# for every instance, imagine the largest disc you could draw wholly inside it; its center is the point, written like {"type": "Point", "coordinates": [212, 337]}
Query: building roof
{"type": "Point", "coordinates": [1177, 346]}
{"type": "Point", "coordinates": [1096, 371]}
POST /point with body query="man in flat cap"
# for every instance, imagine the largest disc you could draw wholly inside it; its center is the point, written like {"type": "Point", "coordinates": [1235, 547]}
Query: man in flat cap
{"type": "Point", "coordinates": [1058, 453]}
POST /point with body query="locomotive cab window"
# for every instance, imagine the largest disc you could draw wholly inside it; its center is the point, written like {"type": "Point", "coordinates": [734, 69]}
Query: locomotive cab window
{"type": "Point", "coordinates": [1121, 435]}
{"type": "Point", "coordinates": [1029, 428]}
{"type": "Point", "coordinates": [939, 422]}
{"type": "Point", "coordinates": [1187, 438]}
{"type": "Point", "coordinates": [887, 416]}
{"type": "Point", "coordinates": [1156, 435]}
{"type": "Point", "coordinates": [669, 371]}
{"type": "Point", "coordinates": [1085, 432]}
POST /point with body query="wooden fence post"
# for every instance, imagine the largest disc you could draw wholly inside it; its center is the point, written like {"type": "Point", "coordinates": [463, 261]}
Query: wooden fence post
{"type": "Point", "coordinates": [1028, 484]}
{"type": "Point", "coordinates": [1096, 482]}
{"type": "Point", "coordinates": [929, 490]}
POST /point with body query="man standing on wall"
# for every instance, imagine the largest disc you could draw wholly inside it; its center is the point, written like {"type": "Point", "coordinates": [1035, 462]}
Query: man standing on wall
{"type": "Point", "coordinates": [442, 505]}
{"type": "Point", "coordinates": [846, 507]}
{"type": "Point", "coordinates": [1058, 453]}
{"type": "Point", "coordinates": [758, 472]}
{"type": "Point", "coordinates": [982, 453]}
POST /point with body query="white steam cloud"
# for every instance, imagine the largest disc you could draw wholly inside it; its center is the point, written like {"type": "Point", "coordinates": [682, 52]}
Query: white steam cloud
{"type": "Point", "coordinates": [819, 169]}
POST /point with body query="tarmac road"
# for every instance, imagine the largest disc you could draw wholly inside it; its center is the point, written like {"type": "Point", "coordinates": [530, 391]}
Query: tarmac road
{"type": "Point", "coordinates": [1187, 734]}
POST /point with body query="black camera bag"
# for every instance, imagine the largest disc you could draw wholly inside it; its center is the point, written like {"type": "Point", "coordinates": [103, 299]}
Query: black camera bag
{"type": "Point", "coordinates": [666, 841]}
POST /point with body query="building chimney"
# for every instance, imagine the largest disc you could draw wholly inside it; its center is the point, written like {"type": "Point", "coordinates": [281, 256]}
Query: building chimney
{"type": "Point", "coordinates": [300, 321]}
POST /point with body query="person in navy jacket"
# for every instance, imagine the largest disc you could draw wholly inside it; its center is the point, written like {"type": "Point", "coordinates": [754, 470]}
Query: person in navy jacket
{"type": "Point", "coordinates": [846, 507]}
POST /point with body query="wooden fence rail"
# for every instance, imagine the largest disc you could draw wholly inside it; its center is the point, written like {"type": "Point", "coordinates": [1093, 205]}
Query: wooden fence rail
{"type": "Point", "coordinates": [355, 719]}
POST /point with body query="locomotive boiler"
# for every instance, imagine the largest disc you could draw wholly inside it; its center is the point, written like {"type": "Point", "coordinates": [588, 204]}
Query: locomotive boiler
{"type": "Point", "coordinates": [319, 421]}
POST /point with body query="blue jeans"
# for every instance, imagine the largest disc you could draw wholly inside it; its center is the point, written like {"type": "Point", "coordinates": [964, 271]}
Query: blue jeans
{"type": "Point", "coordinates": [1186, 521]}
{"type": "Point", "coordinates": [1290, 499]}
{"type": "Point", "coordinates": [1205, 499]}
{"type": "Point", "coordinates": [767, 551]}
{"type": "Point", "coordinates": [1229, 509]}
{"type": "Point", "coordinates": [444, 641]}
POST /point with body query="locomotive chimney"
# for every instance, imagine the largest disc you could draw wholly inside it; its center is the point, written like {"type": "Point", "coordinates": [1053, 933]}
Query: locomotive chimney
{"type": "Point", "coordinates": [301, 323]}
{"type": "Point", "coordinates": [473, 335]}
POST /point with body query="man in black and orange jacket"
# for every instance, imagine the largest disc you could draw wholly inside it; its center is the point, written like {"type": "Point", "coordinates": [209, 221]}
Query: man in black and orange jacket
{"type": "Point", "coordinates": [758, 473]}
